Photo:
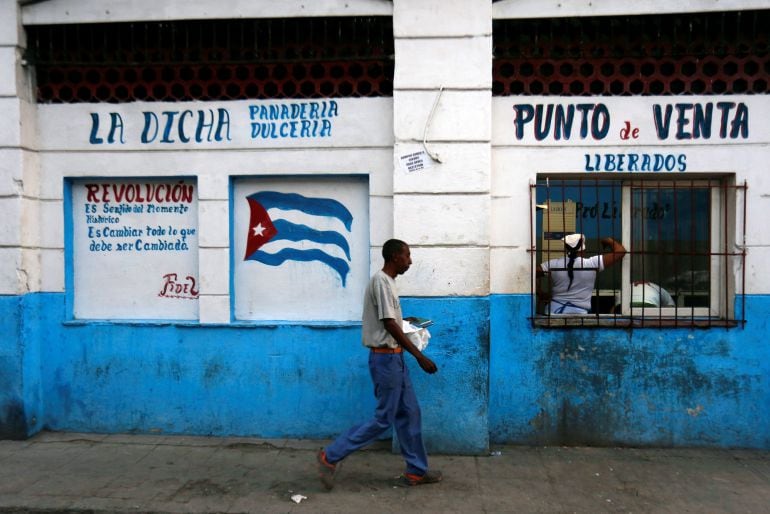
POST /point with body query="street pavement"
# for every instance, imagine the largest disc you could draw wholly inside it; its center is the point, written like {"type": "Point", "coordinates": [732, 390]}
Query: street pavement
{"type": "Point", "coordinates": [69, 472]}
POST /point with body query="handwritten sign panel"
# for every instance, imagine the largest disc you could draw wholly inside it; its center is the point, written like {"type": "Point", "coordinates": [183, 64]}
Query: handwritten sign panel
{"type": "Point", "coordinates": [135, 249]}
{"type": "Point", "coordinates": [622, 121]}
{"type": "Point", "coordinates": [631, 135]}
{"type": "Point", "coordinates": [344, 122]}
{"type": "Point", "coordinates": [301, 248]}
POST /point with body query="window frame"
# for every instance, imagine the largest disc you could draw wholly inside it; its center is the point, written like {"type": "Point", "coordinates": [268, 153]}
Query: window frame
{"type": "Point", "coordinates": [716, 237]}
{"type": "Point", "coordinates": [725, 224]}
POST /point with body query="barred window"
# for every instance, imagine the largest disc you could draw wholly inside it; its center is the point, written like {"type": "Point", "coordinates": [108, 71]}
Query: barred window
{"type": "Point", "coordinates": [675, 262]}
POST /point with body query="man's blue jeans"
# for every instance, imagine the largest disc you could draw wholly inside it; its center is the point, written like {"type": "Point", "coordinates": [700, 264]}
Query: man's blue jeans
{"type": "Point", "coordinates": [396, 406]}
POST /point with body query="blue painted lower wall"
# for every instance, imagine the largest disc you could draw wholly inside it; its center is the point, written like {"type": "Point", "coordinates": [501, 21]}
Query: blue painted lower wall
{"type": "Point", "coordinates": [13, 424]}
{"type": "Point", "coordinates": [643, 387]}
{"type": "Point", "coordinates": [265, 381]}
{"type": "Point", "coordinates": [500, 380]}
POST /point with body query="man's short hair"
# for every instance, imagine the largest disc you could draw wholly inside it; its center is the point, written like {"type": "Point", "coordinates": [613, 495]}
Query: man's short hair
{"type": "Point", "coordinates": [391, 248]}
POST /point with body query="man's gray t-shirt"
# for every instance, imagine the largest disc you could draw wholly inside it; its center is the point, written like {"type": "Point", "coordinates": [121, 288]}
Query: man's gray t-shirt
{"type": "Point", "coordinates": [380, 302]}
{"type": "Point", "coordinates": [584, 274]}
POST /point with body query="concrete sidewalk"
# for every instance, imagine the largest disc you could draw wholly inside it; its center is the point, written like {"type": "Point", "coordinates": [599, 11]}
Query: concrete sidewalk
{"type": "Point", "coordinates": [66, 472]}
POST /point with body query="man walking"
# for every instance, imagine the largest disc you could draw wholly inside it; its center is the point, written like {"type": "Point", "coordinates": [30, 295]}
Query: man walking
{"type": "Point", "coordinates": [396, 401]}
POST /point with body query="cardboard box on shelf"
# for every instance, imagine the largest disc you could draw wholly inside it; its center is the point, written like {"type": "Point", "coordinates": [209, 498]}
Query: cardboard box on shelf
{"type": "Point", "coordinates": [558, 220]}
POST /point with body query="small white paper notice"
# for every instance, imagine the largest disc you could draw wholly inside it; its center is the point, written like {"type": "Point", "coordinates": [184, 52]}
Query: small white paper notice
{"type": "Point", "coordinates": [416, 161]}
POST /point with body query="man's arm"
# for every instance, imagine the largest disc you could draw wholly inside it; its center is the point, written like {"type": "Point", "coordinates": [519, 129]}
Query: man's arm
{"type": "Point", "coordinates": [394, 330]}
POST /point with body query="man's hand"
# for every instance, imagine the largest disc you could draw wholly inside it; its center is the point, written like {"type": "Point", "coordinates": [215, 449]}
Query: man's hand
{"type": "Point", "coordinates": [427, 365]}
{"type": "Point", "coordinates": [394, 330]}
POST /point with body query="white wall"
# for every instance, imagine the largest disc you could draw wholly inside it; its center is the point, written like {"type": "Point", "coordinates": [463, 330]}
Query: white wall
{"type": "Point", "coordinates": [21, 248]}
{"type": "Point", "coordinates": [103, 11]}
{"type": "Point", "coordinates": [443, 210]}
{"type": "Point", "coordinates": [471, 13]}
{"type": "Point", "coordinates": [562, 8]}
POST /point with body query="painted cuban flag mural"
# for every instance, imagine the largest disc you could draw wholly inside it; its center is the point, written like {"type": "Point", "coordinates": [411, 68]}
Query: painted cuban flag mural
{"type": "Point", "coordinates": [301, 247]}
{"type": "Point", "coordinates": [262, 229]}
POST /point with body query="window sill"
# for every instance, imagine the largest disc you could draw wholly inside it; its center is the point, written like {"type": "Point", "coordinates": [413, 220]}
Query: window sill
{"type": "Point", "coordinates": [198, 324]}
{"type": "Point", "coordinates": [578, 321]}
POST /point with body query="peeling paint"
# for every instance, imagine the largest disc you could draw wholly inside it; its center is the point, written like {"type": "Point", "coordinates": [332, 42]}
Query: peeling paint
{"type": "Point", "coordinates": [12, 420]}
{"type": "Point", "coordinates": [23, 280]}
{"type": "Point", "coordinates": [214, 370]}
{"type": "Point", "coordinates": [696, 411]}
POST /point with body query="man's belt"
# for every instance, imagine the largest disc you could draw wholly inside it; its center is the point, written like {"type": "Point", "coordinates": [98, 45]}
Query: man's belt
{"type": "Point", "coordinates": [385, 349]}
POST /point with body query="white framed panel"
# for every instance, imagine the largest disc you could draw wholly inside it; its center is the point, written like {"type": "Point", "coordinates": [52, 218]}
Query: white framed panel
{"type": "Point", "coordinates": [134, 248]}
{"type": "Point", "coordinates": [300, 247]}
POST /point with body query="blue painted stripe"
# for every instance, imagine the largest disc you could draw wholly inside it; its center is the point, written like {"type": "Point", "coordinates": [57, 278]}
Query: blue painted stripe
{"type": "Point", "coordinates": [296, 232]}
{"type": "Point", "coordinates": [69, 260]}
{"type": "Point", "coordinates": [314, 206]}
{"type": "Point", "coordinates": [291, 254]}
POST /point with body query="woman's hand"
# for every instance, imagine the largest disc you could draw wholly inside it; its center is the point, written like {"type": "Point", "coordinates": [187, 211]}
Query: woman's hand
{"type": "Point", "coordinates": [607, 242]}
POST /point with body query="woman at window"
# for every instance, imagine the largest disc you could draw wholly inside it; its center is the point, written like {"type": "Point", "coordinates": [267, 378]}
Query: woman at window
{"type": "Point", "coordinates": [572, 276]}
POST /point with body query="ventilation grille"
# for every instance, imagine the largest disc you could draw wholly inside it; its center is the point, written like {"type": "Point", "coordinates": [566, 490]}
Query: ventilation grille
{"type": "Point", "coordinates": [693, 54]}
{"type": "Point", "coordinates": [213, 60]}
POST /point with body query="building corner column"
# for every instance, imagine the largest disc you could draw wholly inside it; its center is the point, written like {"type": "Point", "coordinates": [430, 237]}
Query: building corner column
{"type": "Point", "coordinates": [442, 100]}
{"type": "Point", "coordinates": [442, 107]}
{"type": "Point", "coordinates": [20, 234]}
